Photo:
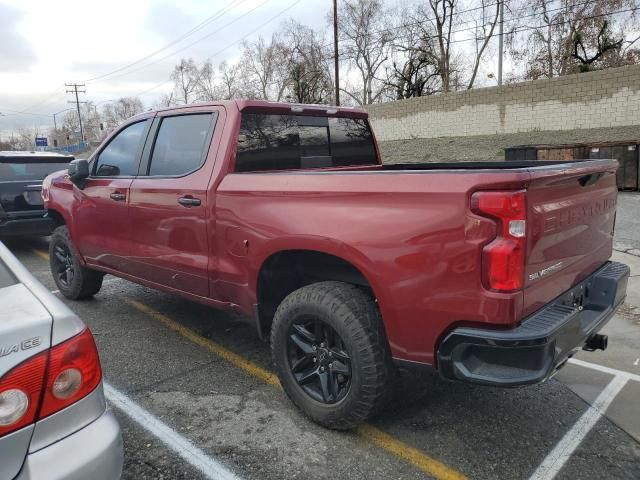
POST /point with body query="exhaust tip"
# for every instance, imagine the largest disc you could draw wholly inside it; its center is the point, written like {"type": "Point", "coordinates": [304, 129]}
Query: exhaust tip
{"type": "Point", "coordinates": [596, 342]}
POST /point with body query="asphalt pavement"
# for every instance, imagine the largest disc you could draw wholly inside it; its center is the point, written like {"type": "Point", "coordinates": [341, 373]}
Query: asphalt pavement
{"type": "Point", "coordinates": [205, 385]}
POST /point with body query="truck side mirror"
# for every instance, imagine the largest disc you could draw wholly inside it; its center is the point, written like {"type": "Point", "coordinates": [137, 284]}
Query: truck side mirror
{"type": "Point", "coordinates": [78, 171]}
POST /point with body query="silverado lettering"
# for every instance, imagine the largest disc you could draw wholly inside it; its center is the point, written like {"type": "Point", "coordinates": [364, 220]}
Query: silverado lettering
{"type": "Point", "coordinates": [575, 215]}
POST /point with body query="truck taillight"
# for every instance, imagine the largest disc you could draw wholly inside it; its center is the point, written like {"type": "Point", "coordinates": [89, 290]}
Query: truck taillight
{"type": "Point", "coordinates": [67, 372]}
{"type": "Point", "coordinates": [503, 258]}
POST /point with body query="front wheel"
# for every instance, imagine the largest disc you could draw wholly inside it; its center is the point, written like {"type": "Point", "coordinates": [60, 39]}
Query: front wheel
{"type": "Point", "coordinates": [72, 279]}
{"type": "Point", "coordinates": [330, 353]}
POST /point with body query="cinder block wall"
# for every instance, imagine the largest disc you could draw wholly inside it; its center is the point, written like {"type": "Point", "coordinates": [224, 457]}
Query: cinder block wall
{"type": "Point", "coordinates": [480, 123]}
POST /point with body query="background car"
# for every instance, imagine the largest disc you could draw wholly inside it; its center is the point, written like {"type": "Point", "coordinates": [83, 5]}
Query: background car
{"type": "Point", "coordinates": [21, 175]}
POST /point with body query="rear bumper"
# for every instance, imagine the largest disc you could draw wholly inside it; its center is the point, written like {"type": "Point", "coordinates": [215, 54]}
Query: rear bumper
{"type": "Point", "coordinates": [543, 342]}
{"type": "Point", "coordinates": [26, 226]}
{"type": "Point", "coordinates": [94, 452]}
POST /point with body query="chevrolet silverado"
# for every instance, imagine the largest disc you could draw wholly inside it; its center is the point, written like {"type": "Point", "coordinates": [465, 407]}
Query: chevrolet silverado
{"type": "Point", "coordinates": [490, 272]}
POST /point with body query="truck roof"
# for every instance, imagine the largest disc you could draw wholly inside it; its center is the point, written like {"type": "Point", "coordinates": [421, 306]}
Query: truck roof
{"type": "Point", "coordinates": [280, 107]}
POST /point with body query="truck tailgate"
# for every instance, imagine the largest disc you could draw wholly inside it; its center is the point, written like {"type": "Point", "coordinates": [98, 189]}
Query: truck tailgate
{"type": "Point", "coordinates": [571, 213]}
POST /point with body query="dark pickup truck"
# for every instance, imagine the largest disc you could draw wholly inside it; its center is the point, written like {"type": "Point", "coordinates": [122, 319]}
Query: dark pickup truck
{"type": "Point", "coordinates": [21, 175]}
{"type": "Point", "coordinates": [490, 272]}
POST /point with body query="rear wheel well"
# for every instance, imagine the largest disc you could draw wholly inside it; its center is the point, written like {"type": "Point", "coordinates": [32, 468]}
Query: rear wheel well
{"type": "Point", "coordinates": [284, 272]}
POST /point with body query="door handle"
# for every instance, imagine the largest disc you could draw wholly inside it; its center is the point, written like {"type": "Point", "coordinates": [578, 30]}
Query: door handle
{"type": "Point", "coordinates": [189, 202]}
{"type": "Point", "coordinates": [118, 197]}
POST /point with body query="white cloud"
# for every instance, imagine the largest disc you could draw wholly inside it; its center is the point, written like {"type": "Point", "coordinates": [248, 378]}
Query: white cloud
{"type": "Point", "coordinates": [45, 43]}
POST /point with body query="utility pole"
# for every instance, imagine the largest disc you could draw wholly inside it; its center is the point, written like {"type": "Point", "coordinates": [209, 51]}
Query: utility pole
{"type": "Point", "coordinates": [77, 102]}
{"type": "Point", "coordinates": [335, 50]}
{"type": "Point", "coordinates": [500, 45]}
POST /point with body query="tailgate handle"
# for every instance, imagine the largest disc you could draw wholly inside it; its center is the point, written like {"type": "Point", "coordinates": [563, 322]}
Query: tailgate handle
{"type": "Point", "coordinates": [590, 179]}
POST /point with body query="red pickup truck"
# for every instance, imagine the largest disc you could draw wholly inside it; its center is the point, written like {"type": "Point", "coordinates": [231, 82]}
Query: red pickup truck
{"type": "Point", "coordinates": [491, 272]}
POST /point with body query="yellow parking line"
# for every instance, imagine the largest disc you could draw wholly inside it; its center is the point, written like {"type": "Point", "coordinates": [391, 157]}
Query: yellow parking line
{"type": "Point", "coordinates": [415, 457]}
{"type": "Point", "coordinates": [210, 345]}
{"type": "Point", "coordinates": [376, 436]}
{"type": "Point", "coordinates": [41, 254]}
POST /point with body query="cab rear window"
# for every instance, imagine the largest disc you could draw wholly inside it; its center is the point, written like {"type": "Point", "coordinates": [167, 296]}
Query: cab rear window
{"type": "Point", "coordinates": [288, 142]}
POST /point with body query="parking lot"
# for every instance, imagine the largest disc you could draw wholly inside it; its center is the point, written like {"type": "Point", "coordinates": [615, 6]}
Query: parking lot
{"type": "Point", "coordinates": [195, 395]}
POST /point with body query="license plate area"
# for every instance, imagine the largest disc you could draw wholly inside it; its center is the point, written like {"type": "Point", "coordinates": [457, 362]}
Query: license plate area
{"type": "Point", "coordinates": [578, 296]}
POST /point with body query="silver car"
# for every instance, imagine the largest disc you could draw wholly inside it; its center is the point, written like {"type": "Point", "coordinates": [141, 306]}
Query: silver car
{"type": "Point", "coordinates": [54, 422]}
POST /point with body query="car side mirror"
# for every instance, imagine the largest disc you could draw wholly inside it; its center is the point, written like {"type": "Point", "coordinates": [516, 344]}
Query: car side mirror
{"type": "Point", "coordinates": [78, 171]}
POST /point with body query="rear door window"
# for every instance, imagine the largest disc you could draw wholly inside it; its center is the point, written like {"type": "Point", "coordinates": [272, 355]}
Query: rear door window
{"type": "Point", "coordinates": [286, 142]}
{"type": "Point", "coordinates": [120, 157]}
{"type": "Point", "coordinates": [181, 144]}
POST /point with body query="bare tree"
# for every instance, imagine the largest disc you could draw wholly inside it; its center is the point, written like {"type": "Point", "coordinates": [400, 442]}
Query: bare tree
{"type": "Point", "coordinates": [229, 76]}
{"type": "Point", "coordinates": [91, 120]}
{"type": "Point", "coordinates": [485, 27]}
{"type": "Point", "coordinates": [416, 76]}
{"type": "Point", "coordinates": [205, 80]}
{"type": "Point", "coordinates": [560, 26]}
{"type": "Point", "coordinates": [603, 44]}
{"type": "Point", "coordinates": [185, 80]}
{"type": "Point", "coordinates": [366, 42]}
{"type": "Point", "coordinates": [414, 67]}
{"type": "Point", "coordinates": [309, 70]}
{"type": "Point", "coordinates": [24, 139]}
{"type": "Point", "coordinates": [167, 100]}
{"type": "Point", "coordinates": [427, 40]}
{"type": "Point", "coordinates": [114, 113]}
{"type": "Point", "coordinates": [443, 12]}
{"type": "Point", "coordinates": [265, 69]}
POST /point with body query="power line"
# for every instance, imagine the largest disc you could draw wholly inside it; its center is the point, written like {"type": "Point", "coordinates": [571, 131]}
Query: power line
{"type": "Point", "coordinates": [47, 99]}
{"type": "Point", "coordinates": [218, 14]}
{"type": "Point", "coordinates": [345, 56]}
{"type": "Point", "coordinates": [282, 12]}
{"type": "Point", "coordinates": [517, 30]}
{"type": "Point", "coordinates": [20, 112]}
{"type": "Point", "coordinates": [459, 12]}
{"type": "Point", "coordinates": [189, 44]}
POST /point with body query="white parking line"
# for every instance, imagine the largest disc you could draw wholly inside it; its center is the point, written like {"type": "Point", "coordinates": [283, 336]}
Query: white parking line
{"type": "Point", "coordinates": [602, 368]}
{"type": "Point", "coordinates": [172, 439]}
{"type": "Point", "coordinates": [556, 459]}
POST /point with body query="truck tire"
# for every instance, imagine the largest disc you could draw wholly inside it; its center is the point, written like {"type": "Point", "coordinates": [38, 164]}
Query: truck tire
{"type": "Point", "coordinates": [331, 354]}
{"type": "Point", "coordinates": [73, 280]}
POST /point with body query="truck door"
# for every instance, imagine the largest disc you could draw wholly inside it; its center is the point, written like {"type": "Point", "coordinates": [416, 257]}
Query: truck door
{"type": "Point", "coordinates": [170, 208]}
{"type": "Point", "coordinates": [100, 210]}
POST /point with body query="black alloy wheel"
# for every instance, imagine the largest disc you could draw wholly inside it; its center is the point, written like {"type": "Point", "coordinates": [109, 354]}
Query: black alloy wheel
{"type": "Point", "coordinates": [63, 264]}
{"type": "Point", "coordinates": [319, 360]}
{"type": "Point", "coordinates": [331, 354]}
{"type": "Point", "coordinates": [74, 280]}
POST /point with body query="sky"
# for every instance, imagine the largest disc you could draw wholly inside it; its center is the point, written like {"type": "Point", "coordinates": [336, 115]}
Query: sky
{"type": "Point", "coordinates": [122, 48]}
{"type": "Point", "coordinates": [45, 44]}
